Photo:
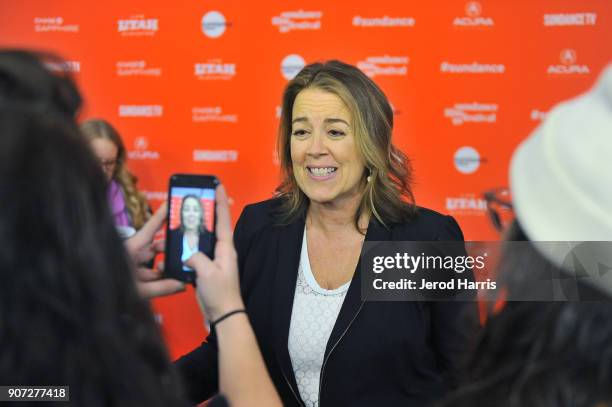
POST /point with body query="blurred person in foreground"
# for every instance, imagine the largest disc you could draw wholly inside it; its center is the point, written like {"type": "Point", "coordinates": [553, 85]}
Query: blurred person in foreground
{"type": "Point", "coordinates": [557, 354]}
{"type": "Point", "coordinates": [344, 182]}
{"type": "Point", "coordinates": [70, 313]}
{"type": "Point", "coordinates": [129, 205]}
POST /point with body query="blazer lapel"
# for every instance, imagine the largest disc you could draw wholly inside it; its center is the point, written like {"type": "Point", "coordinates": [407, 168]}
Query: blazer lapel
{"type": "Point", "coordinates": [353, 302]}
{"type": "Point", "coordinates": [289, 248]}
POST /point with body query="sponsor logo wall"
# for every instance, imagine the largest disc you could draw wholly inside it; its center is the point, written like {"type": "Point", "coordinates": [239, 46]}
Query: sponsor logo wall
{"type": "Point", "coordinates": [198, 88]}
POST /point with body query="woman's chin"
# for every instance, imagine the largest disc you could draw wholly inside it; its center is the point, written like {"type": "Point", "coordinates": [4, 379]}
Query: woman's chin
{"type": "Point", "coordinates": [322, 199]}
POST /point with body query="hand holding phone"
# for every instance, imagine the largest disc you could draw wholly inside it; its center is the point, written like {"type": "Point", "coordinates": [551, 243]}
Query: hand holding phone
{"type": "Point", "coordinates": [191, 222]}
{"type": "Point", "coordinates": [142, 248]}
{"type": "Point", "coordinates": [218, 287]}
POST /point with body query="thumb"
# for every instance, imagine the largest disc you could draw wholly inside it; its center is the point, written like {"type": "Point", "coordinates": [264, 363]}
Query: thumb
{"type": "Point", "coordinates": [200, 263]}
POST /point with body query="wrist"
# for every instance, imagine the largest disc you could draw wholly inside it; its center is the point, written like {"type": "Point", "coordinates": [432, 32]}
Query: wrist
{"type": "Point", "coordinates": [227, 316]}
{"type": "Point", "coordinates": [226, 307]}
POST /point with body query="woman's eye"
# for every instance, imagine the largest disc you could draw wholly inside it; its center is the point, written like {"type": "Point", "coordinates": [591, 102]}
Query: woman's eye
{"type": "Point", "coordinates": [299, 132]}
{"type": "Point", "coordinates": [336, 133]}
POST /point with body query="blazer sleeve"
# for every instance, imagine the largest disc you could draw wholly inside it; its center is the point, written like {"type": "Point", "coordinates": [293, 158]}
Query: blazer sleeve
{"type": "Point", "coordinates": [243, 234]}
{"type": "Point", "coordinates": [199, 368]}
{"type": "Point", "coordinates": [454, 324]}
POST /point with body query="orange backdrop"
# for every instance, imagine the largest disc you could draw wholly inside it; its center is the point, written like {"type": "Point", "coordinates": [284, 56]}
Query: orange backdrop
{"type": "Point", "coordinates": [195, 86]}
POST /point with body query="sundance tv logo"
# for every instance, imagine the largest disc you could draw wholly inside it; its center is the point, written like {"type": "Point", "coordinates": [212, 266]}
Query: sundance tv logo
{"type": "Point", "coordinates": [568, 65]}
{"type": "Point", "coordinates": [466, 204]}
{"type": "Point", "coordinates": [473, 17]}
{"type": "Point", "coordinates": [298, 20]}
{"type": "Point", "coordinates": [214, 24]}
{"type": "Point", "coordinates": [384, 66]}
{"type": "Point", "coordinates": [136, 68]}
{"type": "Point", "coordinates": [141, 151]}
{"type": "Point", "coordinates": [156, 195]}
{"type": "Point", "coordinates": [462, 113]}
{"type": "Point", "coordinates": [215, 155]}
{"type": "Point", "coordinates": [204, 114]}
{"type": "Point", "coordinates": [141, 111]}
{"type": "Point", "coordinates": [65, 66]}
{"type": "Point", "coordinates": [54, 24]}
{"type": "Point", "coordinates": [384, 21]}
{"type": "Point", "coordinates": [214, 69]}
{"type": "Point", "coordinates": [567, 19]}
{"type": "Point", "coordinates": [138, 25]}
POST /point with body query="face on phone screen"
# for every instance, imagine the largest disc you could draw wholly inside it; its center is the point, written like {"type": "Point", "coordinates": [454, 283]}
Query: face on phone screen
{"type": "Point", "coordinates": [191, 224]}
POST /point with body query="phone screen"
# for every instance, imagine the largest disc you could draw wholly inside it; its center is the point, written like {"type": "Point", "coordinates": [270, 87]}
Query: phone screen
{"type": "Point", "coordinates": [191, 227]}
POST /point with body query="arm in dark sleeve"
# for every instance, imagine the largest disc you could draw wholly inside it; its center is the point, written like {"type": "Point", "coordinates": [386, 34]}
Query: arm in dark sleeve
{"type": "Point", "coordinates": [199, 368]}
{"type": "Point", "coordinates": [454, 323]}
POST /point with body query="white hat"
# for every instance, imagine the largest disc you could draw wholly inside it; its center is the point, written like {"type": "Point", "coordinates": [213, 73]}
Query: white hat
{"type": "Point", "coordinates": [561, 175]}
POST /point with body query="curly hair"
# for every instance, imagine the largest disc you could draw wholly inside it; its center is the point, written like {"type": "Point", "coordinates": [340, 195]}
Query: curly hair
{"type": "Point", "coordinates": [135, 201]}
{"type": "Point", "coordinates": [388, 196]}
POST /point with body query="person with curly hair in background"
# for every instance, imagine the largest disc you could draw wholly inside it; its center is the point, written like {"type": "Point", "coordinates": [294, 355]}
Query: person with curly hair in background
{"type": "Point", "coordinates": [129, 205]}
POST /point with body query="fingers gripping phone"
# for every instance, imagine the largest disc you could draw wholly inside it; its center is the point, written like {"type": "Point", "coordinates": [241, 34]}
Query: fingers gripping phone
{"type": "Point", "coordinates": [191, 222]}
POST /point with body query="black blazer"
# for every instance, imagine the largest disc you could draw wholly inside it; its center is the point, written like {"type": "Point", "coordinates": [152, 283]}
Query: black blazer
{"type": "Point", "coordinates": [378, 354]}
{"type": "Point", "coordinates": [175, 246]}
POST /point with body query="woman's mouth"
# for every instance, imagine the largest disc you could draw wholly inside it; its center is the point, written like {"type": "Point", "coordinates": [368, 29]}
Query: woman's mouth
{"type": "Point", "coordinates": [321, 173]}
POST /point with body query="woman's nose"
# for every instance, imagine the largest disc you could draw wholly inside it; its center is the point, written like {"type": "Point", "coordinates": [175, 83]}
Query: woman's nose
{"type": "Point", "coordinates": [317, 145]}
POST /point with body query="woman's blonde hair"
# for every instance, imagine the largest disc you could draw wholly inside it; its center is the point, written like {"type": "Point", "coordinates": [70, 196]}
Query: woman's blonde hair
{"type": "Point", "coordinates": [135, 201]}
{"type": "Point", "coordinates": [388, 194]}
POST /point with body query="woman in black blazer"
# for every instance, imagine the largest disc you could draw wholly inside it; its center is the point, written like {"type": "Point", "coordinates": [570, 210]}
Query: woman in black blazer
{"type": "Point", "coordinates": [344, 182]}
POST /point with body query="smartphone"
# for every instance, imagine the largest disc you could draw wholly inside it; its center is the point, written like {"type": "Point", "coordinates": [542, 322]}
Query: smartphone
{"type": "Point", "coordinates": [191, 222]}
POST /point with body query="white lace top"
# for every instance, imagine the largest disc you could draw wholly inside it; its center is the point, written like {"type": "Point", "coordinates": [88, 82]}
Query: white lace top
{"type": "Point", "coordinates": [314, 314]}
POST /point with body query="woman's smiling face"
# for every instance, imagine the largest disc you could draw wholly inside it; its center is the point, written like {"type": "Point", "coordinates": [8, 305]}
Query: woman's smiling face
{"type": "Point", "coordinates": [327, 164]}
{"type": "Point", "coordinates": [191, 214]}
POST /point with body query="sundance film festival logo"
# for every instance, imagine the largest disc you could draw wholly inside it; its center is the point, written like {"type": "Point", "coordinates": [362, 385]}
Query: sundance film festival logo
{"type": "Point", "coordinates": [384, 66]}
{"type": "Point", "coordinates": [568, 65]}
{"type": "Point", "coordinates": [567, 19]}
{"type": "Point", "coordinates": [473, 17]}
{"type": "Point", "coordinates": [298, 20]}
{"type": "Point", "coordinates": [462, 113]}
{"type": "Point", "coordinates": [384, 21]}
{"type": "Point", "coordinates": [136, 68]}
{"type": "Point", "coordinates": [64, 66]}
{"type": "Point", "coordinates": [473, 68]}
{"type": "Point", "coordinates": [215, 155]}
{"type": "Point", "coordinates": [54, 24]}
{"type": "Point", "coordinates": [214, 69]}
{"type": "Point", "coordinates": [467, 160]}
{"type": "Point", "coordinates": [140, 111]}
{"type": "Point", "coordinates": [141, 151]}
{"type": "Point", "coordinates": [138, 26]}
{"type": "Point", "coordinates": [203, 114]}
{"type": "Point", "coordinates": [214, 24]}
{"type": "Point", "coordinates": [291, 65]}
{"type": "Point", "coordinates": [466, 204]}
